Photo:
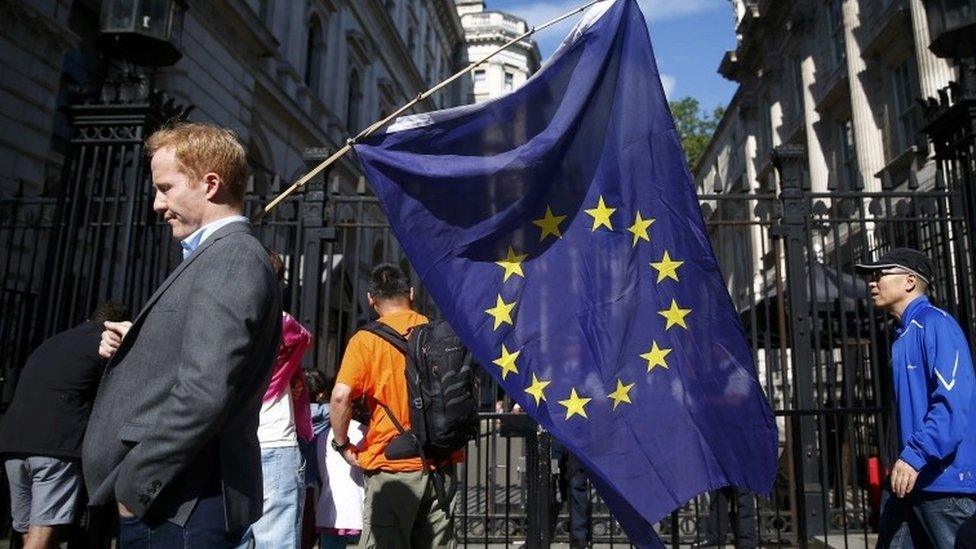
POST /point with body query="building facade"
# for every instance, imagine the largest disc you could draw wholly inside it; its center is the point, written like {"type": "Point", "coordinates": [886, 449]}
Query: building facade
{"type": "Point", "coordinates": [286, 75]}
{"type": "Point", "coordinates": [838, 77]}
{"type": "Point", "coordinates": [485, 31]}
{"type": "Point", "coordinates": [295, 79]}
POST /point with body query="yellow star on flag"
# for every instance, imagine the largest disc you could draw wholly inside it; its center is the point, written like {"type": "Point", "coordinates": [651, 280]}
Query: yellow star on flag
{"type": "Point", "coordinates": [575, 405]}
{"type": "Point", "coordinates": [549, 224]}
{"type": "Point", "coordinates": [621, 394]}
{"type": "Point", "coordinates": [639, 228]}
{"type": "Point", "coordinates": [512, 264]}
{"type": "Point", "coordinates": [501, 312]}
{"type": "Point", "coordinates": [656, 357]}
{"type": "Point", "coordinates": [675, 315]}
{"type": "Point", "coordinates": [537, 389]}
{"type": "Point", "coordinates": [507, 362]}
{"type": "Point", "coordinates": [667, 267]}
{"type": "Point", "coordinates": [601, 215]}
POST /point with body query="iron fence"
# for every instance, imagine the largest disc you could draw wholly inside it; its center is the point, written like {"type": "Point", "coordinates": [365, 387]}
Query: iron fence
{"type": "Point", "coordinates": [819, 346]}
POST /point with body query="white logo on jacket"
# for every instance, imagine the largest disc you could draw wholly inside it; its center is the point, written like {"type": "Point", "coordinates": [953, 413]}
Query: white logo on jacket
{"type": "Point", "coordinates": [949, 384]}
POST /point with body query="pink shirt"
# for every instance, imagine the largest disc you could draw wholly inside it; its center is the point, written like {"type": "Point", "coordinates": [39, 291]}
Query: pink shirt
{"type": "Point", "coordinates": [287, 372]}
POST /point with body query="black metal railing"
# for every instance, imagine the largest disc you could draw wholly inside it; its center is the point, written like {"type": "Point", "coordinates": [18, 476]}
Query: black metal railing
{"type": "Point", "coordinates": [820, 348]}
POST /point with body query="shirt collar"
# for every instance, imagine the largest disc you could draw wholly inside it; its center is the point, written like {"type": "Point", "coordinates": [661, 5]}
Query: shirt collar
{"type": "Point", "coordinates": [192, 242]}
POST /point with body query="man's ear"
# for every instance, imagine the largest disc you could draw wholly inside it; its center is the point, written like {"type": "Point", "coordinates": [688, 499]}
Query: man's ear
{"type": "Point", "coordinates": [370, 300]}
{"type": "Point", "coordinates": [911, 282]}
{"type": "Point", "coordinates": [214, 184]}
{"type": "Point", "coordinates": [411, 294]}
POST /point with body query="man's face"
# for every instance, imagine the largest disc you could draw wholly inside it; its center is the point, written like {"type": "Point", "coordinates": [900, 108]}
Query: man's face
{"type": "Point", "coordinates": [179, 199]}
{"type": "Point", "coordinates": [888, 287]}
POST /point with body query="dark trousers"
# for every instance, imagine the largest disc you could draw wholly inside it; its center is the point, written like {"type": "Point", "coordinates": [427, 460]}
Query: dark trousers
{"type": "Point", "coordinates": [204, 529]}
{"type": "Point", "coordinates": [923, 520]}
{"type": "Point", "coordinates": [573, 487]}
{"type": "Point", "coordinates": [579, 500]}
{"type": "Point", "coordinates": [732, 510]}
{"type": "Point", "coordinates": [966, 536]}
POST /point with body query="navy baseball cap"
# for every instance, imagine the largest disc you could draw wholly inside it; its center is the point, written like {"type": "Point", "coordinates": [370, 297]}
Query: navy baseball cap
{"type": "Point", "coordinates": [908, 259]}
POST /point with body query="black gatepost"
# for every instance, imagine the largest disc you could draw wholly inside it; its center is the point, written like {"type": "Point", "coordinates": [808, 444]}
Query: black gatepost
{"type": "Point", "coordinates": [315, 239]}
{"type": "Point", "coordinates": [811, 505]}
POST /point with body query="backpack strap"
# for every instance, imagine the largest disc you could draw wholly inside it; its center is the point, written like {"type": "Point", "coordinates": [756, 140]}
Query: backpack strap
{"type": "Point", "coordinates": [396, 339]}
{"type": "Point", "coordinates": [388, 334]}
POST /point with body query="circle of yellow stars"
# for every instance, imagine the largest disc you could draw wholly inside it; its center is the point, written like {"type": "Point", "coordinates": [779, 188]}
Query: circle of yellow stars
{"type": "Point", "coordinates": [501, 313]}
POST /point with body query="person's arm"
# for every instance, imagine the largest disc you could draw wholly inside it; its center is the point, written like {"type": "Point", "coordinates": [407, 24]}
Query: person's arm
{"type": "Point", "coordinates": [949, 367]}
{"type": "Point", "coordinates": [340, 407]}
{"type": "Point", "coordinates": [350, 383]}
{"type": "Point", "coordinates": [216, 366]}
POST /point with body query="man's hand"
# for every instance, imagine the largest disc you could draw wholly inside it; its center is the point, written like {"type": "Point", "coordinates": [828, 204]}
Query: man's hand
{"type": "Point", "coordinates": [902, 478]}
{"type": "Point", "coordinates": [349, 454]}
{"type": "Point", "coordinates": [124, 512]}
{"type": "Point", "coordinates": [112, 338]}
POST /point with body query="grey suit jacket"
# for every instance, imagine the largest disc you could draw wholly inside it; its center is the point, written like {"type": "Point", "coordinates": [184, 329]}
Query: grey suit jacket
{"type": "Point", "coordinates": [177, 409]}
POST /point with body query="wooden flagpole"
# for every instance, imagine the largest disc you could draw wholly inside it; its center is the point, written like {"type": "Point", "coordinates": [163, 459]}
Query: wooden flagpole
{"type": "Point", "coordinates": [420, 97]}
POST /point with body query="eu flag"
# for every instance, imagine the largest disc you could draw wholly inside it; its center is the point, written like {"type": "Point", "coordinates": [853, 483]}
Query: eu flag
{"type": "Point", "coordinates": [558, 230]}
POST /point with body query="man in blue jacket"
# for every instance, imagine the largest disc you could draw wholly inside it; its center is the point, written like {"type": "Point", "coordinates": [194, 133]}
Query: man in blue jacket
{"type": "Point", "coordinates": [934, 479]}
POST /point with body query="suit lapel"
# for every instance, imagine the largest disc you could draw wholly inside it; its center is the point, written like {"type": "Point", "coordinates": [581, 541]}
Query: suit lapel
{"type": "Point", "coordinates": [228, 229]}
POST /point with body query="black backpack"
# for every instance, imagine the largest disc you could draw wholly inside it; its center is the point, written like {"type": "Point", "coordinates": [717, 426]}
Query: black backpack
{"type": "Point", "coordinates": [442, 390]}
{"type": "Point", "coordinates": [443, 394]}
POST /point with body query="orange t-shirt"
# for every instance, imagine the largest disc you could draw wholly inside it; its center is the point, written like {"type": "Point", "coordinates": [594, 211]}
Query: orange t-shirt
{"type": "Point", "coordinates": [374, 368]}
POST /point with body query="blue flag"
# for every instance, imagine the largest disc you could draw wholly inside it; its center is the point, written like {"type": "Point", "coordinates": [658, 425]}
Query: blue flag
{"type": "Point", "coordinates": [558, 231]}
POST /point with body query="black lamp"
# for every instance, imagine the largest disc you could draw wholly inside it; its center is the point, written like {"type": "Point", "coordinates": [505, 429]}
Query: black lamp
{"type": "Point", "coordinates": [145, 32]}
{"type": "Point", "coordinates": [952, 24]}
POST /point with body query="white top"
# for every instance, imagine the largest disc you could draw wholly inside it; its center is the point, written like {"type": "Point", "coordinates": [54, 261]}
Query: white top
{"type": "Point", "coordinates": [276, 427]}
{"type": "Point", "coordinates": [340, 503]}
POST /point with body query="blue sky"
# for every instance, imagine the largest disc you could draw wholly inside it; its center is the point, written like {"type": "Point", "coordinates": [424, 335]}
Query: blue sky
{"type": "Point", "coordinates": [689, 37]}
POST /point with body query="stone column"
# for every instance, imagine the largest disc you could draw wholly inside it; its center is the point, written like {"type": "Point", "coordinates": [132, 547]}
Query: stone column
{"type": "Point", "coordinates": [816, 155]}
{"type": "Point", "coordinates": [934, 73]}
{"type": "Point", "coordinates": [868, 139]}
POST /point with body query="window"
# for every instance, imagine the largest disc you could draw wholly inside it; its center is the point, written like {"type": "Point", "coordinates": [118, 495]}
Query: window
{"type": "Point", "coordinates": [313, 54]}
{"type": "Point", "coordinates": [354, 101]}
{"type": "Point", "coordinates": [835, 25]}
{"type": "Point", "coordinates": [903, 108]}
{"type": "Point", "coordinates": [479, 76]}
{"type": "Point", "coordinates": [797, 88]}
{"type": "Point", "coordinates": [509, 81]}
{"type": "Point", "coordinates": [847, 156]}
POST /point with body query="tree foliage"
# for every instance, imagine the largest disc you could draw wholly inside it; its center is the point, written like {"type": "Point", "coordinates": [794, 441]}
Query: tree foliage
{"type": "Point", "coordinates": [695, 126]}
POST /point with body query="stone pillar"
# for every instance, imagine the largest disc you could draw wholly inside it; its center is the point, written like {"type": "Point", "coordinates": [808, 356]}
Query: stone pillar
{"type": "Point", "coordinates": [868, 140]}
{"type": "Point", "coordinates": [934, 73]}
{"type": "Point", "coordinates": [776, 118]}
{"type": "Point", "coordinates": [816, 157]}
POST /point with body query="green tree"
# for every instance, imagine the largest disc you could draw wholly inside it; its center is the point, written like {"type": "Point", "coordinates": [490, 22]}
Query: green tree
{"type": "Point", "coordinates": [695, 127]}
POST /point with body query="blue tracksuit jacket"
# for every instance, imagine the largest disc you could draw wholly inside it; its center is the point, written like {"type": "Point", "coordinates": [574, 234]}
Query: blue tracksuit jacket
{"type": "Point", "coordinates": [936, 397]}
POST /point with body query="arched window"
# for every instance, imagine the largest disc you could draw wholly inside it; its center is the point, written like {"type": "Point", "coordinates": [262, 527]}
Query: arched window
{"type": "Point", "coordinates": [354, 101]}
{"type": "Point", "coordinates": [313, 54]}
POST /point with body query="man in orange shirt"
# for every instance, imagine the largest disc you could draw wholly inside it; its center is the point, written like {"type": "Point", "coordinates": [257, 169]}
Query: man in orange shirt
{"type": "Point", "coordinates": [401, 508]}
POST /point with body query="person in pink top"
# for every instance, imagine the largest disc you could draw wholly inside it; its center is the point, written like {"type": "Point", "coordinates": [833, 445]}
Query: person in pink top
{"type": "Point", "coordinates": [285, 418]}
